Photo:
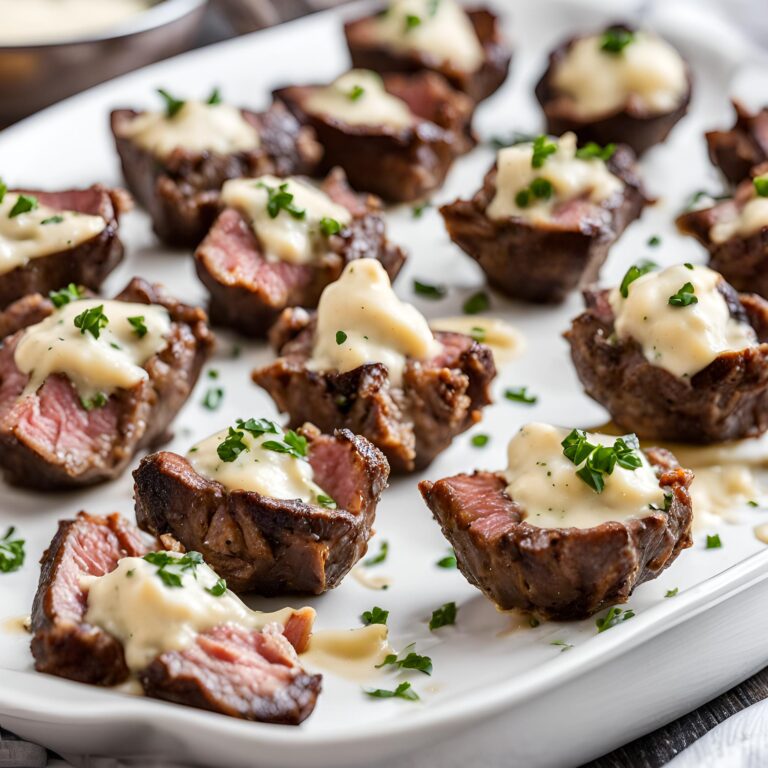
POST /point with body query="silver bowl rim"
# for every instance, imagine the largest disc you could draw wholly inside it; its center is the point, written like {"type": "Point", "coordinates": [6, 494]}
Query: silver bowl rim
{"type": "Point", "coordinates": [158, 15]}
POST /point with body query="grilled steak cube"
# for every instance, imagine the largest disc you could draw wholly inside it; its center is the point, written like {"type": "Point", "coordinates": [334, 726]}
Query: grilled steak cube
{"type": "Point", "coordinates": [736, 151]}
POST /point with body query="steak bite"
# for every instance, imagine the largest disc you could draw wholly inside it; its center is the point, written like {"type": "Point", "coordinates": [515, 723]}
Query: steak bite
{"type": "Point", "coordinates": [619, 85]}
{"type": "Point", "coordinates": [49, 239]}
{"type": "Point", "coordinates": [676, 355]}
{"type": "Point", "coordinates": [736, 151]}
{"type": "Point", "coordinates": [735, 232]}
{"type": "Point", "coordinates": [369, 363]}
{"type": "Point", "coordinates": [575, 523]}
{"type": "Point", "coordinates": [279, 244]}
{"type": "Point", "coordinates": [546, 215]}
{"type": "Point", "coordinates": [176, 161]}
{"type": "Point", "coordinates": [107, 606]}
{"type": "Point", "coordinates": [396, 137]}
{"type": "Point", "coordinates": [273, 512]}
{"type": "Point", "coordinates": [465, 47]}
{"type": "Point", "coordinates": [86, 383]}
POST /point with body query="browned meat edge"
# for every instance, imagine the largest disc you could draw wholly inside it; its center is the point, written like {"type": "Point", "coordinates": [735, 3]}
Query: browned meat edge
{"type": "Point", "coordinates": [736, 151]}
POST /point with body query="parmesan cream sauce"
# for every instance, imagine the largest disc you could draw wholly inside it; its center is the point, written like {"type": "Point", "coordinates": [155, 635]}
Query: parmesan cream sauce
{"type": "Point", "coordinates": [358, 97]}
{"type": "Point", "coordinates": [444, 32]}
{"type": "Point", "coordinates": [256, 469]}
{"type": "Point", "coordinates": [743, 223]}
{"type": "Point", "coordinates": [570, 177]}
{"type": "Point", "coordinates": [196, 127]}
{"type": "Point", "coordinates": [649, 73]}
{"type": "Point", "coordinates": [505, 341]}
{"type": "Point", "coordinates": [286, 237]}
{"type": "Point", "coordinates": [113, 361]}
{"type": "Point", "coordinates": [544, 482]}
{"type": "Point", "coordinates": [148, 617]}
{"type": "Point", "coordinates": [360, 320]}
{"type": "Point", "coordinates": [682, 340]}
{"type": "Point", "coordinates": [349, 653]}
{"type": "Point", "coordinates": [41, 232]}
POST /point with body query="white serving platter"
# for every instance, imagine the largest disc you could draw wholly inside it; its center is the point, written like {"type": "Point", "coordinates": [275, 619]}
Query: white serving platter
{"type": "Point", "coordinates": [498, 695]}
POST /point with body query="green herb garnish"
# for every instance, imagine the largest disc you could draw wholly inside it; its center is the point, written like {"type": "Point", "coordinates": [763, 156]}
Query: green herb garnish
{"type": "Point", "coordinates": [761, 185]}
{"type": "Point", "coordinates": [447, 562]}
{"type": "Point", "coordinates": [713, 541]}
{"type": "Point", "coordinates": [71, 292]}
{"type": "Point", "coordinates": [341, 337]}
{"type": "Point", "coordinates": [412, 21]}
{"type": "Point", "coordinates": [633, 273]}
{"type": "Point", "coordinates": [684, 297]}
{"type": "Point", "coordinates": [593, 151]}
{"type": "Point", "coordinates": [213, 398]}
{"type": "Point", "coordinates": [654, 241]}
{"type": "Point", "coordinates": [443, 616]}
{"type": "Point", "coordinates": [542, 149]}
{"type": "Point", "coordinates": [480, 441]}
{"type": "Point", "coordinates": [614, 616]}
{"type": "Point", "coordinates": [11, 552]}
{"type": "Point", "coordinates": [232, 445]}
{"type": "Point", "coordinates": [292, 443]}
{"type": "Point", "coordinates": [615, 39]}
{"type": "Point", "coordinates": [598, 461]}
{"type": "Point", "coordinates": [380, 557]}
{"type": "Point", "coordinates": [281, 199]}
{"type": "Point", "coordinates": [520, 395]}
{"type": "Point", "coordinates": [220, 587]}
{"type": "Point", "coordinates": [215, 97]}
{"type": "Point", "coordinates": [672, 592]}
{"type": "Point", "coordinates": [428, 290]}
{"type": "Point", "coordinates": [418, 210]}
{"type": "Point", "coordinates": [258, 427]}
{"type": "Point", "coordinates": [409, 659]}
{"type": "Point", "coordinates": [57, 219]}
{"type": "Point", "coordinates": [3, 190]}
{"type": "Point", "coordinates": [92, 320]}
{"type": "Point", "coordinates": [356, 92]}
{"type": "Point", "coordinates": [163, 560]}
{"type": "Point", "coordinates": [562, 645]}
{"type": "Point", "coordinates": [476, 303]}
{"type": "Point", "coordinates": [172, 105]}
{"type": "Point", "coordinates": [99, 400]}
{"type": "Point", "coordinates": [329, 226]}
{"type": "Point", "coordinates": [375, 616]}
{"type": "Point", "coordinates": [403, 691]}
{"type": "Point", "coordinates": [23, 204]}
{"type": "Point", "coordinates": [326, 501]}
{"type": "Point", "coordinates": [139, 325]}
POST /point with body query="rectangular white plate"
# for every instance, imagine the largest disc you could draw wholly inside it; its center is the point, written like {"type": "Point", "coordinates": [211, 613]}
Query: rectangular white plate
{"type": "Point", "coordinates": [508, 695]}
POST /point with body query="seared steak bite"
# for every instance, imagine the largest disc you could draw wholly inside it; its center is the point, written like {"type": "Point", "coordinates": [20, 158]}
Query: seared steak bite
{"type": "Point", "coordinates": [620, 85]}
{"type": "Point", "coordinates": [546, 215]}
{"type": "Point", "coordinates": [176, 163]}
{"type": "Point", "coordinates": [250, 261]}
{"type": "Point", "coordinates": [54, 238]}
{"type": "Point", "coordinates": [542, 538]}
{"type": "Point", "coordinates": [369, 363]}
{"type": "Point", "coordinates": [465, 47]}
{"type": "Point", "coordinates": [676, 355]}
{"type": "Point", "coordinates": [735, 232]}
{"type": "Point", "coordinates": [288, 513]}
{"type": "Point", "coordinates": [87, 383]}
{"type": "Point", "coordinates": [736, 151]}
{"type": "Point", "coordinates": [107, 606]}
{"type": "Point", "coordinates": [396, 137]}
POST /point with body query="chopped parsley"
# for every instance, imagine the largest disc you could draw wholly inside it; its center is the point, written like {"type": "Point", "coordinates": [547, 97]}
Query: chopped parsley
{"type": "Point", "coordinates": [752, 503]}
{"type": "Point", "coordinates": [71, 292]}
{"type": "Point", "coordinates": [538, 189]}
{"type": "Point", "coordinates": [672, 592]}
{"type": "Point", "coordinates": [99, 400]}
{"type": "Point", "coordinates": [476, 303]}
{"type": "Point", "coordinates": [3, 190]}
{"type": "Point", "coordinates": [614, 616]}
{"type": "Point", "coordinates": [92, 320]}
{"type": "Point", "coordinates": [163, 560]}
{"type": "Point", "coordinates": [615, 39]}
{"type": "Point", "coordinates": [598, 461]}
{"type": "Point", "coordinates": [443, 616]}
{"type": "Point", "coordinates": [11, 552]}
{"type": "Point", "coordinates": [139, 326]}
{"type": "Point", "coordinates": [713, 541]}
{"type": "Point", "coordinates": [23, 204]}
{"type": "Point", "coordinates": [654, 241]}
{"type": "Point", "coordinates": [684, 297]}
{"type": "Point", "coordinates": [329, 226]}
{"type": "Point", "coordinates": [428, 290]}
{"type": "Point", "coordinates": [542, 149]}
{"type": "Point", "coordinates": [520, 395]}
{"type": "Point", "coordinates": [57, 219]}
{"type": "Point", "coordinates": [447, 562]}
{"type": "Point", "coordinates": [326, 501]}
{"type": "Point", "coordinates": [232, 445]}
{"type": "Point", "coordinates": [341, 337]}
{"type": "Point", "coordinates": [480, 441]}
{"type": "Point", "coordinates": [379, 557]}
{"type": "Point", "coordinates": [281, 199]}
{"type": "Point", "coordinates": [355, 92]}
{"type": "Point", "coordinates": [215, 97]}
{"type": "Point", "coordinates": [258, 427]}
{"type": "Point", "coordinates": [292, 443]}
{"type": "Point", "coordinates": [700, 196]}
{"type": "Point", "coordinates": [213, 398]}
{"type": "Point", "coordinates": [515, 138]}
{"type": "Point", "coordinates": [213, 373]}
{"type": "Point", "coordinates": [418, 210]}
{"type": "Point", "coordinates": [409, 659]}
{"type": "Point", "coordinates": [403, 691]}
{"type": "Point", "coordinates": [218, 589]}
{"type": "Point", "coordinates": [593, 151]}
{"type": "Point", "coordinates": [375, 616]}
{"type": "Point", "coordinates": [477, 333]}
{"type": "Point", "coordinates": [562, 645]}
{"type": "Point", "coordinates": [633, 273]}
{"type": "Point", "coordinates": [412, 21]}
{"type": "Point", "coordinates": [761, 185]}
{"type": "Point", "coordinates": [172, 105]}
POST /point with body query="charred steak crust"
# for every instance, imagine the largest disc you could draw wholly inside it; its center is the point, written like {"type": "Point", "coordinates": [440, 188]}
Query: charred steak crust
{"type": "Point", "coordinates": [726, 400]}
{"type": "Point", "coordinates": [62, 643]}
{"type": "Point", "coordinates": [181, 192]}
{"type": "Point", "coordinates": [270, 546]}
{"type": "Point", "coordinates": [399, 165]}
{"type": "Point", "coordinates": [87, 264]}
{"type": "Point", "coordinates": [560, 573]}
{"type": "Point", "coordinates": [478, 85]}
{"type": "Point", "coordinates": [248, 292]}
{"type": "Point", "coordinates": [739, 149]}
{"type": "Point", "coordinates": [742, 261]}
{"type": "Point", "coordinates": [543, 264]}
{"type": "Point", "coordinates": [49, 441]}
{"type": "Point", "coordinates": [412, 424]}
{"type": "Point", "coordinates": [630, 125]}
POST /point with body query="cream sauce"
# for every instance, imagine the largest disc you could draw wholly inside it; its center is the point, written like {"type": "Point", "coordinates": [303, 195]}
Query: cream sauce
{"type": "Point", "coordinates": [761, 532]}
{"type": "Point", "coordinates": [505, 342]}
{"type": "Point", "coordinates": [148, 617]}
{"type": "Point", "coordinates": [45, 21]}
{"type": "Point", "coordinates": [376, 326]}
{"type": "Point", "coordinates": [196, 127]}
{"type": "Point", "coordinates": [571, 177]}
{"type": "Point", "coordinates": [544, 482]}
{"type": "Point", "coordinates": [113, 361]}
{"type": "Point", "coordinates": [257, 469]}
{"type": "Point", "coordinates": [720, 493]}
{"type": "Point", "coordinates": [364, 579]}
{"type": "Point", "coordinates": [41, 232]}
{"type": "Point", "coordinates": [285, 237]}
{"type": "Point", "coordinates": [648, 73]}
{"type": "Point", "coordinates": [350, 653]}
{"type": "Point", "coordinates": [358, 97]}
{"type": "Point", "coordinates": [443, 32]}
{"type": "Point", "coordinates": [17, 625]}
{"type": "Point", "coordinates": [748, 221]}
{"type": "Point", "coordinates": [681, 339]}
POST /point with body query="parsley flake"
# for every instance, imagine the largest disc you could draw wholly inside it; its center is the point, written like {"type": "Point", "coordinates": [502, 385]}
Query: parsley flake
{"type": "Point", "coordinates": [562, 645]}
{"type": "Point", "coordinates": [213, 398]}
{"type": "Point", "coordinates": [11, 552]}
{"type": "Point", "coordinates": [443, 616]}
{"type": "Point", "coordinates": [215, 97]}
{"type": "Point", "coordinates": [99, 400]}
{"type": "Point", "coordinates": [292, 443]}
{"type": "Point", "coordinates": [615, 39]}
{"type": "Point", "coordinates": [375, 616]}
{"type": "Point", "coordinates": [654, 241]}
{"type": "Point", "coordinates": [713, 541]}
{"type": "Point", "coordinates": [480, 441]}
{"type": "Point", "coordinates": [684, 297]}
{"type": "Point", "coordinates": [23, 204]}
{"type": "Point", "coordinates": [761, 185]}
{"type": "Point", "coordinates": [57, 219]}
{"type": "Point", "coordinates": [232, 445]}
{"type": "Point", "coordinates": [92, 320]}
{"type": "Point", "coordinates": [218, 589]}
{"type": "Point", "coordinates": [593, 151]}
{"type": "Point", "coordinates": [379, 557]}
{"type": "Point", "coordinates": [71, 292]}
{"type": "Point", "coordinates": [520, 395]}
{"type": "Point", "coordinates": [476, 303]}
{"type": "Point", "coordinates": [409, 659]}
{"type": "Point", "coordinates": [326, 501]}
{"type": "Point", "coordinates": [418, 210]}
{"type": "Point", "coordinates": [412, 21]}
{"type": "Point", "coordinates": [281, 199]}
{"type": "Point", "coordinates": [329, 226]}
{"type": "Point", "coordinates": [355, 93]}
{"type": "Point", "coordinates": [139, 325]}
{"type": "Point", "coordinates": [163, 561]}
{"type": "Point", "coordinates": [341, 337]}
{"type": "Point", "coordinates": [598, 461]}
{"type": "Point", "coordinates": [403, 691]}
{"type": "Point", "coordinates": [428, 290]}
{"type": "Point", "coordinates": [542, 149]}
{"type": "Point", "coordinates": [614, 616]}
{"type": "Point", "coordinates": [633, 273]}
{"type": "Point", "coordinates": [672, 592]}
{"type": "Point", "coordinates": [447, 562]}
{"type": "Point", "coordinates": [172, 105]}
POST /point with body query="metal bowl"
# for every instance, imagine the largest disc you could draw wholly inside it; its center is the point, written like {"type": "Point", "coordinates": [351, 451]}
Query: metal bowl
{"type": "Point", "coordinates": [34, 76]}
